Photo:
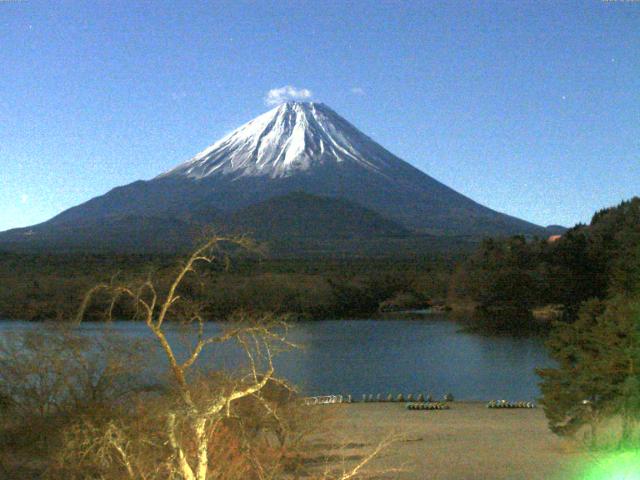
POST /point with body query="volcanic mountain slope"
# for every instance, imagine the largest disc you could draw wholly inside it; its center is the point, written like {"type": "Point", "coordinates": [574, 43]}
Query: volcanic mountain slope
{"type": "Point", "coordinates": [300, 215]}
{"type": "Point", "coordinates": [292, 223]}
{"type": "Point", "coordinates": [295, 147]}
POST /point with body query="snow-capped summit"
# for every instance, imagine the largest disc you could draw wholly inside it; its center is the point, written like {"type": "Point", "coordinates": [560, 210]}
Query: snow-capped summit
{"type": "Point", "coordinates": [307, 147]}
{"type": "Point", "coordinates": [290, 138]}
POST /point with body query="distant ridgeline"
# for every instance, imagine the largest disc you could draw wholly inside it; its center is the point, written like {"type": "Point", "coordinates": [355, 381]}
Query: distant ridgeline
{"type": "Point", "coordinates": [507, 279]}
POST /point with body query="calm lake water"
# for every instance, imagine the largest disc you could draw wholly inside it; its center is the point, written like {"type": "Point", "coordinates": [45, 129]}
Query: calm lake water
{"type": "Point", "coordinates": [384, 356]}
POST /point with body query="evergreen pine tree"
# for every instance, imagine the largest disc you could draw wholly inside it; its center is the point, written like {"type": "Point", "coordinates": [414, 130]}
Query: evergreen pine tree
{"type": "Point", "coordinates": [597, 373]}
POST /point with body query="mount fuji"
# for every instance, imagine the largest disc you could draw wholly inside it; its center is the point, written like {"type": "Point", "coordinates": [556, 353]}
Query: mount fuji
{"type": "Point", "coordinates": [298, 170]}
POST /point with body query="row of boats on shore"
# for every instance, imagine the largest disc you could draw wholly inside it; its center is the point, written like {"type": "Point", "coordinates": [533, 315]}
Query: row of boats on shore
{"type": "Point", "coordinates": [491, 404]}
{"type": "Point", "coordinates": [506, 404]}
{"type": "Point", "coordinates": [420, 402]}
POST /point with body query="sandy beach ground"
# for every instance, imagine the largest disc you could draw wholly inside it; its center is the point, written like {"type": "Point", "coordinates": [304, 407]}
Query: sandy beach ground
{"type": "Point", "coordinates": [469, 441]}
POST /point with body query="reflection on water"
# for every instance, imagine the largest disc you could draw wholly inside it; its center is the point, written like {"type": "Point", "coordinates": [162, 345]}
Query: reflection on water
{"type": "Point", "coordinates": [374, 356]}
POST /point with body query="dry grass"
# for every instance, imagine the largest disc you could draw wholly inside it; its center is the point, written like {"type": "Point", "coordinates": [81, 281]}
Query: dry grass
{"type": "Point", "coordinates": [467, 442]}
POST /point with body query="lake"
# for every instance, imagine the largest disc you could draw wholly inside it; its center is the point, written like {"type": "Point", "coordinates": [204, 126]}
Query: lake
{"type": "Point", "coordinates": [430, 356]}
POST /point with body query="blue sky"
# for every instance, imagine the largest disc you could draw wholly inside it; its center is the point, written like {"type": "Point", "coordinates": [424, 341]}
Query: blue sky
{"type": "Point", "coordinates": [531, 108]}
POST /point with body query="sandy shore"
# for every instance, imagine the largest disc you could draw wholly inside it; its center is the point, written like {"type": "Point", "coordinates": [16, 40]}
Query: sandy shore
{"type": "Point", "coordinates": [468, 441]}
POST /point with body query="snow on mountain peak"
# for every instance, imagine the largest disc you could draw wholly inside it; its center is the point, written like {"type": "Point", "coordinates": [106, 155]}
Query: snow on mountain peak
{"type": "Point", "coordinates": [292, 137]}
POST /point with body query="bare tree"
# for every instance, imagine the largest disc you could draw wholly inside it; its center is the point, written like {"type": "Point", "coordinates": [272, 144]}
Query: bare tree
{"type": "Point", "coordinates": [52, 370]}
{"type": "Point", "coordinates": [195, 418]}
{"type": "Point", "coordinates": [50, 376]}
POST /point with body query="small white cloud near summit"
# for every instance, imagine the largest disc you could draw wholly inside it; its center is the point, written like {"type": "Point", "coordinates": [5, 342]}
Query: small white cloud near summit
{"type": "Point", "coordinates": [276, 96]}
